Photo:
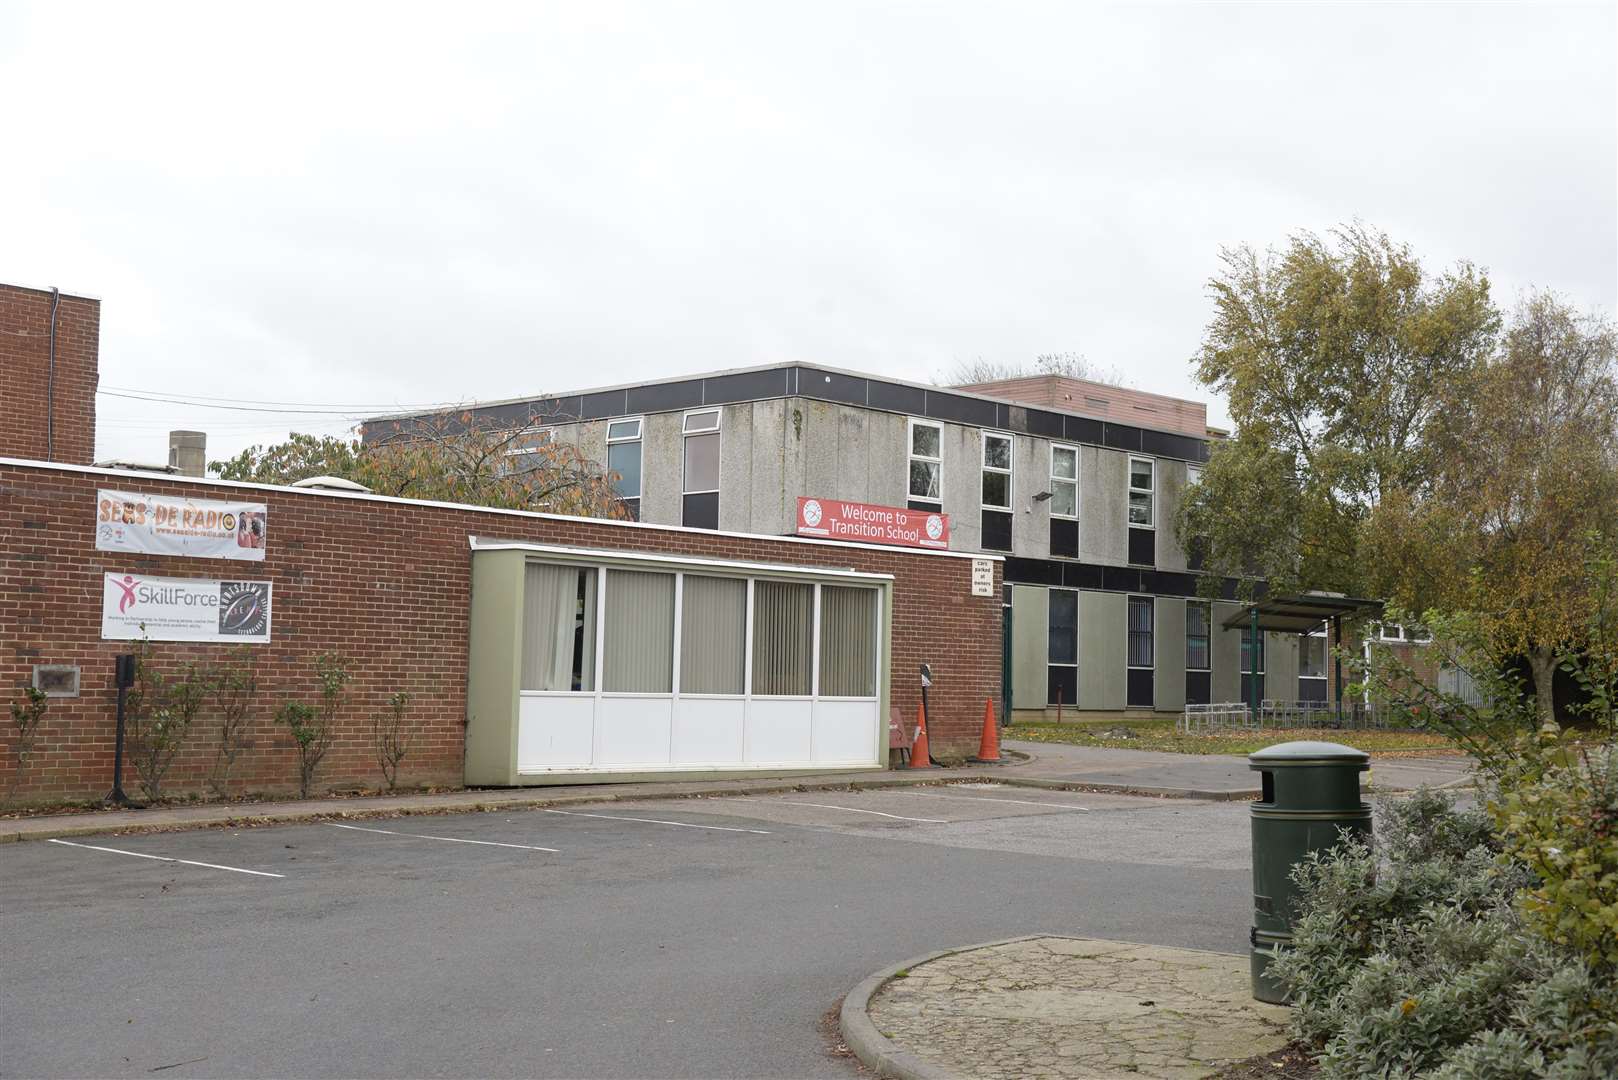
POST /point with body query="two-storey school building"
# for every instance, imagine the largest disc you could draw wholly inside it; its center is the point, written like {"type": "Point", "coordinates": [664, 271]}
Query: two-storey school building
{"type": "Point", "coordinates": [1074, 484]}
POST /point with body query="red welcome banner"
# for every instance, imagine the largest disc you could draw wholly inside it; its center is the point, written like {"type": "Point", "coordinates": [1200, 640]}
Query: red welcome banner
{"type": "Point", "coordinates": [863, 522]}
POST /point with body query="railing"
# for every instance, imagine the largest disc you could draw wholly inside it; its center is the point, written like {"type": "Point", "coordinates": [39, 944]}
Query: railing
{"type": "Point", "coordinates": [1273, 713]}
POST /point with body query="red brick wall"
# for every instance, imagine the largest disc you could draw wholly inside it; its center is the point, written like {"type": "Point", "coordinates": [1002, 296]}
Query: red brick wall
{"type": "Point", "coordinates": [386, 584]}
{"type": "Point", "coordinates": [25, 346]}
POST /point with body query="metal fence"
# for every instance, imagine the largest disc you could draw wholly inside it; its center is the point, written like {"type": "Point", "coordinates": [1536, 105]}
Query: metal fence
{"type": "Point", "coordinates": [1274, 713]}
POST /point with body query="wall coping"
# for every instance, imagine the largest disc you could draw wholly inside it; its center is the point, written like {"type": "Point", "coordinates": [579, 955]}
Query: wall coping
{"type": "Point", "coordinates": [478, 543]}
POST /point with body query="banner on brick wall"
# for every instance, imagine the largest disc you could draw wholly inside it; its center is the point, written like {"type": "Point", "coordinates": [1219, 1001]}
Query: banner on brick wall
{"type": "Point", "coordinates": [184, 609]}
{"type": "Point", "coordinates": [838, 520]}
{"type": "Point", "coordinates": [161, 525]}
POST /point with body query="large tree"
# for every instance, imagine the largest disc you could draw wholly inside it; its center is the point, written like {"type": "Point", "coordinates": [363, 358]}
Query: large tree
{"type": "Point", "coordinates": [1518, 492]}
{"type": "Point", "coordinates": [1333, 353]}
{"type": "Point", "coordinates": [448, 457]}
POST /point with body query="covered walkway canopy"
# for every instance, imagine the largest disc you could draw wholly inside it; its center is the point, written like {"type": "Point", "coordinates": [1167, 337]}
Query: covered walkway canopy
{"type": "Point", "coordinates": [1300, 614]}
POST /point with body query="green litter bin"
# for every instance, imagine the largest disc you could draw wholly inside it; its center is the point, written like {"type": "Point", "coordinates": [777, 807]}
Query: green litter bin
{"type": "Point", "coordinates": [1311, 792]}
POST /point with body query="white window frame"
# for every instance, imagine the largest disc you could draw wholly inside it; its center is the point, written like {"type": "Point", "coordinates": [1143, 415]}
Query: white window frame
{"type": "Point", "coordinates": [1148, 491]}
{"type": "Point", "coordinates": [911, 455]}
{"type": "Point", "coordinates": [1325, 656]}
{"type": "Point", "coordinates": [638, 421]}
{"type": "Point", "coordinates": [1193, 474]}
{"type": "Point", "coordinates": [1074, 480]}
{"type": "Point", "coordinates": [687, 432]}
{"type": "Point", "coordinates": [620, 440]}
{"type": "Point", "coordinates": [983, 458]}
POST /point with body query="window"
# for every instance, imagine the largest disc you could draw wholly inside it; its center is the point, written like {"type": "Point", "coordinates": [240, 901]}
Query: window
{"type": "Point", "coordinates": [700, 502]}
{"type": "Point", "coordinates": [996, 471]}
{"type": "Point", "coordinates": [559, 636]}
{"type": "Point", "coordinates": [996, 521]}
{"type": "Point", "coordinates": [847, 642]}
{"type": "Point", "coordinates": [1063, 674]}
{"type": "Point", "coordinates": [526, 451]}
{"type": "Point", "coordinates": [926, 463]}
{"type": "Point", "coordinates": [639, 633]}
{"type": "Point", "coordinates": [1312, 656]}
{"type": "Point", "coordinates": [1247, 650]}
{"type": "Point", "coordinates": [1193, 475]}
{"type": "Point", "coordinates": [713, 635]}
{"type": "Point", "coordinates": [1398, 632]}
{"type": "Point", "coordinates": [1140, 492]}
{"type": "Point", "coordinates": [783, 638]}
{"type": "Point", "coordinates": [1196, 547]}
{"type": "Point", "coordinates": [623, 458]}
{"type": "Point", "coordinates": [1064, 482]}
{"type": "Point", "coordinates": [1141, 638]}
{"type": "Point", "coordinates": [1198, 654]}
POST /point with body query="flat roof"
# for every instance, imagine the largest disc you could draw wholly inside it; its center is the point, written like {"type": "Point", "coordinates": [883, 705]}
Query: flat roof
{"type": "Point", "coordinates": [1301, 613]}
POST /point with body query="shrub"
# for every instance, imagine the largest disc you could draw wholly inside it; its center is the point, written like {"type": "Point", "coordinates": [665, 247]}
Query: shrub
{"type": "Point", "coordinates": [391, 738]}
{"type": "Point", "coordinates": [311, 735]}
{"type": "Point", "coordinates": [235, 686]}
{"type": "Point", "coordinates": [158, 716]}
{"type": "Point", "coordinates": [26, 716]}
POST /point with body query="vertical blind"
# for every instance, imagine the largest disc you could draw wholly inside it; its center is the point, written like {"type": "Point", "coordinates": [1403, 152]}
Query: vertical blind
{"type": "Point", "coordinates": [783, 629]}
{"type": "Point", "coordinates": [1196, 637]}
{"type": "Point", "coordinates": [847, 641]}
{"type": "Point", "coordinates": [639, 632]}
{"type": "Point", "coordinates": [713, 635]}
{"type": "Point", "coordinates": [558, 631]}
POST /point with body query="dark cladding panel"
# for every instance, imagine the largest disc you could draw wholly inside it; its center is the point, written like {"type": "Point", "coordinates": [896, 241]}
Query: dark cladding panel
{"type": "Point", "coordinates": [1165, 444]}
{"type": "Point", "coordinates": [1044, 424]}
{"type": "Point", "coordinates": [700, 511]}
{"type": "Point", "coordinates": [897, 398]}
{"type": "Point", "coordinates": [1032, 572]}
{"type": "Point", "coordinates": [962, 410]}
{"type": "Point", "coordinates": [1081, 429]}
{"type": "Point", "coordinates": [996, 531]}
{"type": "Point", "coordinates": [1140, 688]}
{"type": "Point", "coordinates": [1062, 685]}
{"type": "Point", "coordinates": [1198, 687]}
{"type": "Point", "coordinates": [1168, 583]}
{"type": "Point", "coordinates": [664, 397]}
{"type": "Point", "coordinates": [1120, 579]}
{"type": "Point", "coordinates": [830, 386]}
{"type": "Point", "coordinates": [606, 403]}
{"type": "Point", "coordinates": [1143, 547]}
{"type": "Point", "coordinates": [1120, 436]}
{"type": "Point", "coordinates": [1064, 538]}
{"type": "Point", "coordinates": [745, 386]}
{"type": "Point", "coordinates": [1083, 576]}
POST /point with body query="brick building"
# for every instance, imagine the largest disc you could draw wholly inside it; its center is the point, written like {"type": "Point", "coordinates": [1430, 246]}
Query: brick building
{"type": "Point", "coordinates": [48, 373]}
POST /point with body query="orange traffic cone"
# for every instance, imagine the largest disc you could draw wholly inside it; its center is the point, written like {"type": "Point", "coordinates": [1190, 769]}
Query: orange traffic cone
{"type": "Point", "coordinates": [989, 745]}
{"type": "Point", "coordinates": [919, 758]}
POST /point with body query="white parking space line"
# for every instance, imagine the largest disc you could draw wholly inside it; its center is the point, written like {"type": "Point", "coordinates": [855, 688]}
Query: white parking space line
{"type": "Point", "coordinates": [165, 858]}
{"type": "Point", "coordinates": [656, 821]}
{"type": "Point", "coordinates": [451, 839]}
{"type": "Point", "coordinates": [850, 809]}
{"type": "Point", "coordinates": [981, 798]}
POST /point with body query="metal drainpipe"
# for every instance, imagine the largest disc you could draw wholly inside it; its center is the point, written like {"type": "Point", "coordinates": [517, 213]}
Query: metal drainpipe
{"type": "Point", "coordinates": [50, 383]}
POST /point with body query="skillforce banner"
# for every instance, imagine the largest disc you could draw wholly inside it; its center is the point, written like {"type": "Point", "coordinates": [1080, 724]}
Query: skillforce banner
{"type": "Point", "coordinates": [136, 606]}
{"type": "Point", "coordinates": [158, 525]}
{"type": "Point", "coordinates": [870, 524]}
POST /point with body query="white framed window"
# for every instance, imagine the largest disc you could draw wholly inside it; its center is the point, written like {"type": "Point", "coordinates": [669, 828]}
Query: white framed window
{"type": "Point", "coordinates": [1142, 486]}
{"type": "Point", "coordinates": [996, 471]}
{"type": "Point", "coordinates": [524, 452]}
{"type": "Point", "coordinates": [1193, 475]}
{"type": "Point", "coordinates": [1312, 655]}
{"type": "Point", "coordinates": [624, 458]}
{"type": "Point", "coordinates": [699, 420]}
{"type": "Point", "coordinates": [701, 452]}
{"type": "Point", "coordinates": [1064, 481]}
{"type": "Point", "coordinates": [1398, 632]}
{"type": "Point", "coordinates": [926, 444]}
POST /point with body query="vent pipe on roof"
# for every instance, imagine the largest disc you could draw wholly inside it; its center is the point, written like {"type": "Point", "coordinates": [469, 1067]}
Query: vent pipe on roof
{"type": "Point", "coordinates": [188, 452]}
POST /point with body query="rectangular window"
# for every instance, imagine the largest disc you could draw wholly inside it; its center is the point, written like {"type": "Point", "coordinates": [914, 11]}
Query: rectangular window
{"type": "Point", "coordinates": [1193, 475]}
{"type": "Point", "coordinates": [1141, 638]}
{"type": "Point", "coordinates": [996, 471]}
{"type": "Point", "coordinates": [527, 452]}
{"type": "Point", "coordinates": [713, 635]}
{"type": "Point", "coordinates": [1064, 481]}
{"type": "Point", "coordinates": [1312, 656]}
{"type": "Point", "coordinates": [639, 633]}
{"type": "Point", "coordinates": [847, 641]}
{"type": "Point", "coordinates": [1198, 654]}
{"type": "Point", "coordinates": [1063, 648]}
{"type": "Point", "coordinates": [559, 635]}
{"type": "Point", "coordinates": [1247, 650]}
{"type": "Point", "coordinates": [926, 462]}
{"type": "Point", "coordinates": [623, 458]}
{"type": "Point", "coordinates": [700, 500]}
{"type": "Point", "coordinates": [1141, 506]}
{"type": "Point", "coordinates": [783, 638]}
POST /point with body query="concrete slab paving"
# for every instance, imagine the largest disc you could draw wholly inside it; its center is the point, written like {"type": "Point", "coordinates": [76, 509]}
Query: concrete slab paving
{"type": "Point", "coordinates": [1065, 1008]}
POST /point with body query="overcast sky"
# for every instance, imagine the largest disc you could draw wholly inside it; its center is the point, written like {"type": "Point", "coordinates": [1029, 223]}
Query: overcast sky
{"type": "Point", "coordinates": [391, 205]}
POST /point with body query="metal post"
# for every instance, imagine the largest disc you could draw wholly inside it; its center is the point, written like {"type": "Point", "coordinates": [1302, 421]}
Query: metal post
{"type": "Point", "coordinates": [1252, 673]}
{"type": "Point", "coordinates": [1337, 663]}
{"type": "Point", "coordinates": [1005, 665]}
{"type": "Point", "coordinates": [124, 677]}
{"type": "Point", "coordinates": [926, 681]}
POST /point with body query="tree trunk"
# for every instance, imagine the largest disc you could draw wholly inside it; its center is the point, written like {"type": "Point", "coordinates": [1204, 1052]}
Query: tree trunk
{"type": "Point", "coordinates": [1542, 662]}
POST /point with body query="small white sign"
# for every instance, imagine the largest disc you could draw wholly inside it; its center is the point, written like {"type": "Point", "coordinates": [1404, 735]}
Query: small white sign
{"type": "Point", "coordinates": [982, 577]}
{"type": "Point", "coordinates": [135, 606]}
{"type": "Point", "coordinates": [169, 525]}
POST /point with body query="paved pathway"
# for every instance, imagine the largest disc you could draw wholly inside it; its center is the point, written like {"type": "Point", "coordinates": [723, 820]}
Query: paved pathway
{"type": "Point", "coordinates": [1063, 1007]}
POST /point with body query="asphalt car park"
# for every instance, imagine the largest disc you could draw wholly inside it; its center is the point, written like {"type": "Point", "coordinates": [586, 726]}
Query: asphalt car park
{"type": "Point", "coordinates": [701, 937]}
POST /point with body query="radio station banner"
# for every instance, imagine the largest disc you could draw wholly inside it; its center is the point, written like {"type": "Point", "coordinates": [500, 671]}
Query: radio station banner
{"type": "Point", "coordinates": [870, 524]}
{"type": "Point", "coordinates": [134, 606]}
{"type": "Point", "coordinates": [157, 525]}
